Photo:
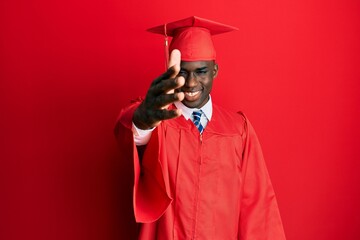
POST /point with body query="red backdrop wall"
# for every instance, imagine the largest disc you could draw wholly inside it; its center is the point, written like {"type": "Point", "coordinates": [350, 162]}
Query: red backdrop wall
{"type": "Point", "coordinates": [67, 67]}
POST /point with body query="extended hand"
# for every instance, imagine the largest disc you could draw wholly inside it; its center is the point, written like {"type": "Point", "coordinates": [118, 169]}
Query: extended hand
{"type": "Point", "coordinates": [160, 95]}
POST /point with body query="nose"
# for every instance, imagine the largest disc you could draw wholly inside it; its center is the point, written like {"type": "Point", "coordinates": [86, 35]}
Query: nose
{"type": "Point", "coordinates": [191, 80]}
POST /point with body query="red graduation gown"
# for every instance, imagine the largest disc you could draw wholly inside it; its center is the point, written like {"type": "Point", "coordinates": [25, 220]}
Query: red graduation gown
{"type": "Point", "coordinates": [214, 186]}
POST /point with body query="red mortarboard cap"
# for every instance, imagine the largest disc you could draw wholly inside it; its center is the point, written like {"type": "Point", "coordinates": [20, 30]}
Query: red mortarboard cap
{"type": "Point", "coordinates": [192, 36]}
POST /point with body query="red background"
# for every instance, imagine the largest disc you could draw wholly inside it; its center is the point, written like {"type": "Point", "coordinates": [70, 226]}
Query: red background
{"type": "Point", "coordinates": [67, 67]}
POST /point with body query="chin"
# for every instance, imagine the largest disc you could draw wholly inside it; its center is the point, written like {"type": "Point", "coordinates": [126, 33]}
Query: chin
{"type": "Point", "coordinates": [196, 104]}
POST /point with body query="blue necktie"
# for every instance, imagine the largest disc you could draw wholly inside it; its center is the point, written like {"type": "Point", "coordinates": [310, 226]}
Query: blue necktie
{"type": "Point", "coordinates": [196, 120]}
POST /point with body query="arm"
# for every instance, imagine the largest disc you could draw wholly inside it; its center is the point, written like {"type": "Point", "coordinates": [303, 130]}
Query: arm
{"type": "Point", "coordinates": [151, 191]}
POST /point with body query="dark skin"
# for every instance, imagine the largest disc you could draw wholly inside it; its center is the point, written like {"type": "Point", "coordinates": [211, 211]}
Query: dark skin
{"type": "Point", "coordinates": [199, 78]}
{"type": "Point", "coordinates": [191, 84]}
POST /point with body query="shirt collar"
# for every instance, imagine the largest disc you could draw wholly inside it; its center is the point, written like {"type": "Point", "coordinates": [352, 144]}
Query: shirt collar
{"type": "Point", "coordinates": [186, 112]}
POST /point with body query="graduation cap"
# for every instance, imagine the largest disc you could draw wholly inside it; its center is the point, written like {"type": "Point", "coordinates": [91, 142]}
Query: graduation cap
{"type": "Point", "coordinates": [192, 36]}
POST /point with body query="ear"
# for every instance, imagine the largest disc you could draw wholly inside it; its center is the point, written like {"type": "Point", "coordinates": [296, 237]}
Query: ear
{"type": "Point", "coordinates": [215, 71]}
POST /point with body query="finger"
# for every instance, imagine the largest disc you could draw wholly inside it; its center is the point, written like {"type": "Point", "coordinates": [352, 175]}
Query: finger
{"type": "Point", "coordinates": [164, 100]}
{"type": "Point", "coordinates": [175, 59]}
{"type": "Point", "coordinates": [170, 73]}
{"type": "Point", "coordinates": [180, 96]}
{"type": "Point", "coordinates": [174, 69]}
{"type": "Point", "coordinates": [166, 86]}
{"type": "Point", "coordinates": [165, 114]}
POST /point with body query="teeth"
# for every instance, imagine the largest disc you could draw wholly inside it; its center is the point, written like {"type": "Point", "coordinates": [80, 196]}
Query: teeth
{"type": "Point", "coordinates": [191, 94]}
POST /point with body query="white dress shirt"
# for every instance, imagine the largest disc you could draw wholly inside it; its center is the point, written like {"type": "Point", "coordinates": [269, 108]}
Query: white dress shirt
{"type": "Point", "coordinates": [142, 137]}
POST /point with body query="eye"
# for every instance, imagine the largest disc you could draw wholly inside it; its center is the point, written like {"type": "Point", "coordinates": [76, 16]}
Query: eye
{"type": "Point", "coordinates": [182, 73]}
{"type": "Point", "coordinates": [201, 72]}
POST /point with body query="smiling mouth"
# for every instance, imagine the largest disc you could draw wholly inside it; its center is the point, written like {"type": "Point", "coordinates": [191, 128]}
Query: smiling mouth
{"type": "Point", "coordinates": [191, 94]}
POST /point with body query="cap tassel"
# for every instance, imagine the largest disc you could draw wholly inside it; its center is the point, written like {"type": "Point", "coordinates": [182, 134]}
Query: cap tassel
{"type": "Point", "coordinates": [166, 48]}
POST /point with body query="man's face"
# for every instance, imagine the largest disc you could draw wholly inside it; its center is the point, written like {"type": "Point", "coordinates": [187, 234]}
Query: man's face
{"type": "Point", "coordinates": [199, 78]}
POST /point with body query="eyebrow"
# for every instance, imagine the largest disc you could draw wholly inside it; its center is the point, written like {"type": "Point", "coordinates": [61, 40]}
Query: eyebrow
{"type": "Point", "coordinates": [197, 69]}
{"type": "Point", "coordinates": [201, 68]}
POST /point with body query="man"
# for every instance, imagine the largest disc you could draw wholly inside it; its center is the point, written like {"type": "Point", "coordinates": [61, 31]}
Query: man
{"type": "Point", "coordinates": [199, 169]}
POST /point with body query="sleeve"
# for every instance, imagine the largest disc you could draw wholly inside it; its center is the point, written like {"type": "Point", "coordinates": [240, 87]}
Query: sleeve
{"type": "Point", "coordinates": [151, 195]}
{"type": "Point", "coordinates": [141, 137]}
{"type": "Point", "coordinates": [259, 214]}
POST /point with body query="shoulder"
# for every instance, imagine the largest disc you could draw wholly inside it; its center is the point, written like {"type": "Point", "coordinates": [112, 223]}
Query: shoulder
{"type": "Point", "coordinates": [234, 121]}
{"type": "Point", "coordinates": [229, 115]}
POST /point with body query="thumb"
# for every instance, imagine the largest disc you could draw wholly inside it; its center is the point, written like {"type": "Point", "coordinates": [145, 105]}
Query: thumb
{"type": "Point", "coordinates": [174, 62]}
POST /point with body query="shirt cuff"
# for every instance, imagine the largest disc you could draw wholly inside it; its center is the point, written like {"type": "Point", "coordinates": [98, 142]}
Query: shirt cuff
{"type": "Point", "coordinates": [141, 137]}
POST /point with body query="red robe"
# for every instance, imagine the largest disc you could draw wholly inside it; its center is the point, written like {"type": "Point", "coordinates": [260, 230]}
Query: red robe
{"type": "Point", "coordinates": [214, 186]}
